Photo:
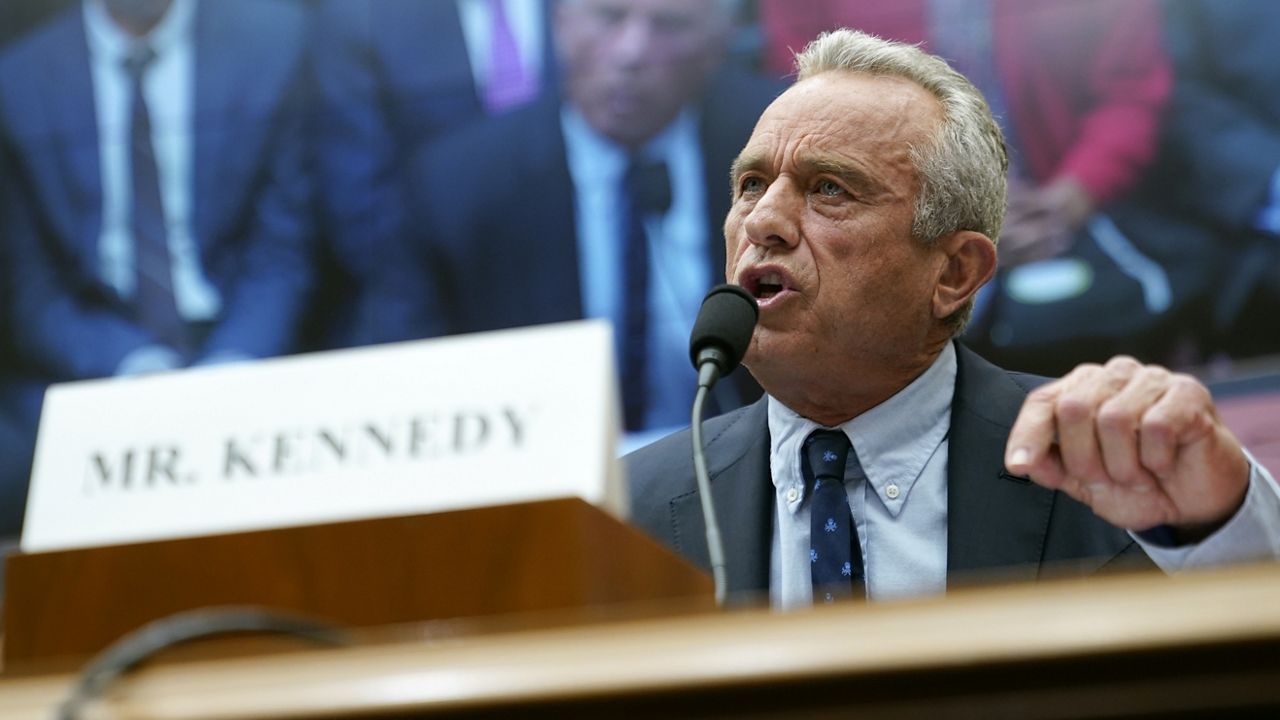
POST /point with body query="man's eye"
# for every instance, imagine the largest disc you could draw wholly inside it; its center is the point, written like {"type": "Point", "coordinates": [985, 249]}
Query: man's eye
{"type": "Point", "coordinates": [830, 188]}
{"type": "Point", "coordinates": [751, 185]}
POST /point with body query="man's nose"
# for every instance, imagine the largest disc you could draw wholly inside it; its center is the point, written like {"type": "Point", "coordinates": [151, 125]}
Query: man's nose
{"type": "Point", "coordinates": [774, 220]}
{"type": "Point", "coordinates": [633, 42]}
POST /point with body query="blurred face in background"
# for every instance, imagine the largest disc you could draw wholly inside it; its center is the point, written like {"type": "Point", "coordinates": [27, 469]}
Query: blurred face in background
{"type": "Point", "coordinates": [629, 66]}
{"type": "Point", "coordinates": [137, 17]}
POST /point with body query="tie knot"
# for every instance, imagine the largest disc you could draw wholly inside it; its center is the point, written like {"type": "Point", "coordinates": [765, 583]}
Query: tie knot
{"type": "Point", "coordinates": [827, 451]}
{"type": "Point", "coordinates": [138, 60]}
{"type": "Point", "coordinates": [648, 185]}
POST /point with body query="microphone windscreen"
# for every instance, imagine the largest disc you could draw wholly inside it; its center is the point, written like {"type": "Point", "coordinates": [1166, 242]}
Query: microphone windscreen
{"type": "Point", "coordinates": [726, 321]}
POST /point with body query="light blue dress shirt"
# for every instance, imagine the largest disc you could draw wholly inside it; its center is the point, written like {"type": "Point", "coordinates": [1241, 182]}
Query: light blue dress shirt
{"type": "Point", "coordinates": [679, 266]}
{"type": "Point", "coordinates": [901, 509]}
{"type": "Point", "coordinates": [169, 89]}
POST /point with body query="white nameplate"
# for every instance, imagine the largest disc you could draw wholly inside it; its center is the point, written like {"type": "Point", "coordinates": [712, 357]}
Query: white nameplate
{"type": "Point", "coordinates": [393, 430]}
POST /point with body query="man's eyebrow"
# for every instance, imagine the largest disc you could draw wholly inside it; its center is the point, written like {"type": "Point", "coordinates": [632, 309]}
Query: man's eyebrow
{"type": "Point", "coordinates": [855, 177]}
{"type": "Point", "coordinates": [744, 163]}
{"type": "Point", "coordinates": [852, 175]}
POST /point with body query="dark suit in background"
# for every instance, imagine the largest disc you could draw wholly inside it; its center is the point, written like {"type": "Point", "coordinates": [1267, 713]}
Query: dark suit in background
{"type": "Point", "coordinates": [392, 75]}
{"type": "Point", "coordinates": [250, 189]}
{"type": "Point", "coordinates": [250, 194]}
{"type": "Point", "coordinates": [497, 207]}
{"type": "Point", "coordinates": [498, 219]}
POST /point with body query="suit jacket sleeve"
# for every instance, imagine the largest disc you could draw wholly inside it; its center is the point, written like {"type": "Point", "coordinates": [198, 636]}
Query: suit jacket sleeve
{"type": "Point", "coordinates": [264, 260]}
{"type": "Point", "coordinates": [69, 334]}
{"type": "Point", "coordinates": [362, 191]}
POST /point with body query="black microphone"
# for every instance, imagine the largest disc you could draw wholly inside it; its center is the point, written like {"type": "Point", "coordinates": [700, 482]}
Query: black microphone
{"type": "Point", "coordinates": [719, 339]}
{"type": "Point", "coordinates": [722, 332]}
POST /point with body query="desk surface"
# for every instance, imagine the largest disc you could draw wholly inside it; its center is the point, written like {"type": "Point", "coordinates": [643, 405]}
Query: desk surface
{"type": "Point", "coordinates": [1108, 647]}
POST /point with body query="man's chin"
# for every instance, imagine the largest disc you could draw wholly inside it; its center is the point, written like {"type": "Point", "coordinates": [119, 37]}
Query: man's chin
{"type": "Point", "coordinates": [766, 357]}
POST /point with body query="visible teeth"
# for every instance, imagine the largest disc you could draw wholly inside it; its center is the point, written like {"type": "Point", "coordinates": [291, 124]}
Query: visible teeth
{"type": "Point", "coordinates": [768, 285]}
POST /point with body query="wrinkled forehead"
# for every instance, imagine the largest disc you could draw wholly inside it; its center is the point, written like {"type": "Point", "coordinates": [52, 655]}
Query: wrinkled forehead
{"type": "Point", "coordinates": [843, 110]}
{"type": "Point", "coordinates": [856, 98]}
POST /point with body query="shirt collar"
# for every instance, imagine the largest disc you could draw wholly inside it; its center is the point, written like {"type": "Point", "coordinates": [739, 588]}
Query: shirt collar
{"type": "Point", "coordinates": [109, 41]}
{"type": "Point", "coordinates": [594, 157]}
{"type": "Point", "coordinates": [894, 440]}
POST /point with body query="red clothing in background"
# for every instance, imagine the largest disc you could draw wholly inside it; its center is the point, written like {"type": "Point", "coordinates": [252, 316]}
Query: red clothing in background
{"type": "Point", "coordinates": [1085, 81]}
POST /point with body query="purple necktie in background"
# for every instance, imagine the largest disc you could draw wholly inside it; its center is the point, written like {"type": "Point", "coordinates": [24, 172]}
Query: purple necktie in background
{"type": "Point", "coordinates": [510, 82]}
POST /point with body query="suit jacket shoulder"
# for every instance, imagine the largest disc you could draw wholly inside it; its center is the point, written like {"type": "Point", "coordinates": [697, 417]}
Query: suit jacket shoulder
{"type": "Point", "coordinates": [1002, 525]}
{"type": "Point", "coordinates": [495, 221]}
{"type": "Point", "coordinates": [666, 504]}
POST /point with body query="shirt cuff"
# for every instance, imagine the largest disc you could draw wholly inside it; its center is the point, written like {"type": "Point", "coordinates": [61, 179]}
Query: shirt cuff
{"type": "Point", "coordinates": [1252, 534]}
{"type": "Point", "coordinates": [222, 357]}
{"type": "Point", "coordinates": [149, 359]}
{"type": "Point", "coordinates": [1268, 219]}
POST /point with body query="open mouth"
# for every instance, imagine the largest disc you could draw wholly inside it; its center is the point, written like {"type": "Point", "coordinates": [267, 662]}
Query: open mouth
{"type": "Point", "coordinates": [765, 283]}
{"type": "Point", "coordinates": [768, 286]}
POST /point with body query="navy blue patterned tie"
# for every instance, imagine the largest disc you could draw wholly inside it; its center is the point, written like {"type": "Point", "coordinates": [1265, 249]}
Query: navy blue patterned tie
{"type": "Point", "coordinates": [154, 304]}
{"type": "Point", "coordinates": [646, 191]}
{"type": "Point", "coordinates": [835, 557]}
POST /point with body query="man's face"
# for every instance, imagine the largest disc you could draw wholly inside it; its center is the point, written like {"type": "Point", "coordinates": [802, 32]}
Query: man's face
{"type": "Point", "coordinates": [630, 65]}
{"type": "Point", "coordinates": [137, 16]}
{"type": "Point", "coordinates": [820, 233]}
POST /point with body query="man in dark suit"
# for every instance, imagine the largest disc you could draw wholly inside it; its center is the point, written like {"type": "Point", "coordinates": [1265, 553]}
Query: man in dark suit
{"type": "Point", "coordinates": [221, 185]}
{"type": "Point", "coordinates": [155, 204]}
{"type": "Point", "coordinates": [885, 458]}
{"type": "Point", "coordinates": [393, 75]}
{"type": "Point", "coordinates": [554, 211]}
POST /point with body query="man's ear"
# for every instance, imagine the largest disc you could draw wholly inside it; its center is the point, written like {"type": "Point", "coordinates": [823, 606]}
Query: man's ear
{"type": "Point", "coordinates": [969, 262]}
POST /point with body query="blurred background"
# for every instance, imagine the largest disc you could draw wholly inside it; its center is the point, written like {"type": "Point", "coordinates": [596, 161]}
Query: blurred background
{"type": "Point", "coordinates": [192, 182]}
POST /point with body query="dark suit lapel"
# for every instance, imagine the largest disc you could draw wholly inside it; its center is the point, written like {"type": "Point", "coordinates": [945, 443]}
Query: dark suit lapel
{"type": "Point", "coordinates": [237, 84]}
{"type": "Point", "coordinates": [446, 75]}
{"type": "Point", "coordinates": [738, 465]}
{"type": "Point", "coordinates": [535, 236]}
{"type": "Point", "coordinates": [69, 97]}
{"type": "Point", "coordinates": [214, 80]}
{"type": "Point", "coordinates": [556, 215]}
{"type": "Point", "coordinates": [994, 519]}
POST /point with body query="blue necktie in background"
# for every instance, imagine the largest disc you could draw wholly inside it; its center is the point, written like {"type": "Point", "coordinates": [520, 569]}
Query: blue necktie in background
{"type": "Point", "coordinates": [646, 192]}
{"type": "Point", "coordinates": [835, 556]}
{"type": "Point", "coordinates": [155, 307]}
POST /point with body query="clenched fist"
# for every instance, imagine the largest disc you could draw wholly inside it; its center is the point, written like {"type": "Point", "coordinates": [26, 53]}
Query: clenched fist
{"type": "Point", "coordinates": [1140, 445]}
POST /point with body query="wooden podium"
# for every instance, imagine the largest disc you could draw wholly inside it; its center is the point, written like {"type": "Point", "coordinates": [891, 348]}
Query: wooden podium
{"type": "Point", "coordinates": [530, 557]}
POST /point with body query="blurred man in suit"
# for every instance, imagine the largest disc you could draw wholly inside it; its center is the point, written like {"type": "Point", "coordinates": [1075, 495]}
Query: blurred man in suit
{"type": "Point", "coordinates": [886, 458]}
{"type": "Point", "coordinates": [156, 209]}
{"type": "Point", "coordinates": [158, 217]}
{"type": "Point", "coordinates": [392, 75]}
{"type": "Point", "coordinates": [603, 201]}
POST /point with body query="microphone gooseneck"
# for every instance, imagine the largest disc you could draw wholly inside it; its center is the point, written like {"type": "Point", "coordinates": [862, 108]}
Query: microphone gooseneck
{"type": "Point", "coordinates": [719, 339]}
